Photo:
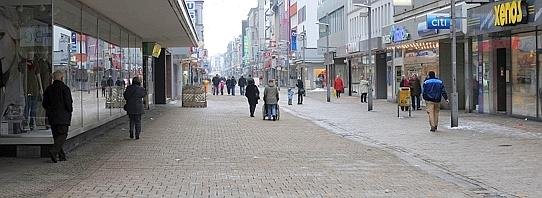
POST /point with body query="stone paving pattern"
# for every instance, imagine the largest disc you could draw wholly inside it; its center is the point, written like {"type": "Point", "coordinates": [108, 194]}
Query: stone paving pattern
{"type": "Point", "coordinates": [220, 152]}
{"type": "Point", "coordinates": [498, 155]}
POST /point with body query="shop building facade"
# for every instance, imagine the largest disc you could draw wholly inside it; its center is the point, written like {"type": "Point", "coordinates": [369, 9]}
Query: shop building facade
{"type": "Point", "coordinates": [506, 46]}
{"type": "Point", "coordinates": [97, 47]}
{"type": "Point", "coordinates": [413, 48]}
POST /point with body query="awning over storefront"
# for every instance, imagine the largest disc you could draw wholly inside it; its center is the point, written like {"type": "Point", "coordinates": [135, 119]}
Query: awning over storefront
{"type": "Point", "coordinates": [164, 21]}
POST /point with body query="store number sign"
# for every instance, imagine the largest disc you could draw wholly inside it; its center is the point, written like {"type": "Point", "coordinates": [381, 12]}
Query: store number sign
{"type": "Point", "coordinates": [510, 13]}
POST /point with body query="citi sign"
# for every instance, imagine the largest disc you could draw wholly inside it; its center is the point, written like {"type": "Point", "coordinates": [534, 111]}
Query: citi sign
{"type": "Point", "coordinates": [438, 21]}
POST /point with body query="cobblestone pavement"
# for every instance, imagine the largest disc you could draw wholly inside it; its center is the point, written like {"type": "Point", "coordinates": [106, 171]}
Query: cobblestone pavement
{"type": "Point", "coordinates": [496, 155]}
{"type": "Point", "coordinates": [220, 152]}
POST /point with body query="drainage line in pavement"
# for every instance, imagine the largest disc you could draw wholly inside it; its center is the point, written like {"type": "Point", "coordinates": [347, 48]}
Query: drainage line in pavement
{"type": "Point", "coordinates": [417, 160]}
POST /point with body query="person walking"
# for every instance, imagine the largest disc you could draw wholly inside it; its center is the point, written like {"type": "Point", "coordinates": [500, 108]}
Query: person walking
{"type": "Point", "coordinates": [242, 83]}
{"type": "Point", "coordinates": [271, 99]}
{"type": "Point", "coordinates": [339, 86]}
{"type": "Point", "coordinates": [415, 92]}
{"type": "Point", "coordinates": [221, 85]}
{"type": "Point", "coordinates": [228, 85]}
{"type": "Point", "coordinates": [363, 89]}
{"type": "Point", "coordinates": [134, 106]}
{"type": "Point", "coordinates": [233, 82]}
{"type": "Point", "coordinates": [216, 82]}
{"type": "Point", "coordinates": [58, 105]}
{"type": "Point", "coordinates": [404, 83]}
{"type": "Point", "coordinates": [300, 91]}
{"type": "Point", "coordinates": [433, 92]}
{"type": "Point", "coordinates": [253, 95]}
{"type": "Point", "coordinates": [103, 85]}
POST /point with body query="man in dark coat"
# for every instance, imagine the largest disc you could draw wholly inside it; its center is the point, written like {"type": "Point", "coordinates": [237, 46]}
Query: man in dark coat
{"type": "Point", "coordinates": [253, 95]}
{"type": "Point", "coordinates": [57, 102]}
{"type": "Point", "coordinates": [134, 106]}
{"type": "Point", "coordinates": [228, 85]}
{"type": "Point", "coordinates": [216, 81]}
{"type": "Point", "coordinates": [242, 83]}
{"type": "Point", "coordinates": [415, 91]}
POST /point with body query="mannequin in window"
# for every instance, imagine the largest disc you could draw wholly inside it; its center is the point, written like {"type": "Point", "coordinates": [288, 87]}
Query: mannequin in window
{"type": "Point", "coordinates": [33, 90]}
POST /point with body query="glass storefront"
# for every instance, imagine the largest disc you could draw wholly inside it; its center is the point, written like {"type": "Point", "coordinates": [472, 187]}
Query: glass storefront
{"type": "Point", "coordinates": [421, 59]}
{"type": "Point", "coordinates": [518, 83]}
{"type": "Point", "coordinates": [97, 56]}
{"type": "Point", "coordinates": [523, 74]}
{"type": "Point", "coordinates": [360, 70]}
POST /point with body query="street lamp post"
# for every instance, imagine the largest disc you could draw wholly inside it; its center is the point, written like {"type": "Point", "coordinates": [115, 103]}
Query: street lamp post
{"type": "Point", "coordinates": [328, 60]}
{"type": "Point", "coordinates": [369, 35]}
{"type": "Point", "coordinates": [455, 111]}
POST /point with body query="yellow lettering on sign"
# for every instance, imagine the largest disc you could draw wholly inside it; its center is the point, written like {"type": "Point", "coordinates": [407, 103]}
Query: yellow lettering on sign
{"type": "Point", "coordinates": [509, 13]}
{"type": "Point", "coordinates": [496, 12]}
{"type": "Point", "coordinates": [519, 17]}
{"type": "Point", "coordinates": [512, 12]}
{"type": "Point", "coordinates": [503, 13]}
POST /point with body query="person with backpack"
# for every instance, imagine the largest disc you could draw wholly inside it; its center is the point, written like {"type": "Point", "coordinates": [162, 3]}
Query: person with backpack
{"type": "Point", "coordinates": [433, 92]}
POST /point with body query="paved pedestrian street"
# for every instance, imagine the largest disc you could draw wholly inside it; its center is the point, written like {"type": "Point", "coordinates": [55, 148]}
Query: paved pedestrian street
{"type": "Point", "coordinates": [315, 150]}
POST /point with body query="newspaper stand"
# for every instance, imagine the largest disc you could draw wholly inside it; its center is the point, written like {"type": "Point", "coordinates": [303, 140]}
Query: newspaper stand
{"type": "Point", "coordinates": [404, 100]}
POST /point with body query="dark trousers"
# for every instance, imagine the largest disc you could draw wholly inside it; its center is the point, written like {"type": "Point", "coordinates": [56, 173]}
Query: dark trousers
{"type": "Point", "coordinates": [60, 133]}
{"type": "Point", "coordinates": [242, 90]}
{"type": "Point", "coordinates": [135, 124]}
{"type": "Point", "coordinates": [415, 101]}
{"type": "Point", "coordinates": [338, 94]}
{"type": "Point", "coordinates": [299, 98]}
{"type": "Point", "coordinates": [363, 97]}
{"type": "Point", "coordinates": [215, 90]}
{"type": "Point", "coordinates": [229, 89]}
{"type": "Point", "coordinates": [252, 108]}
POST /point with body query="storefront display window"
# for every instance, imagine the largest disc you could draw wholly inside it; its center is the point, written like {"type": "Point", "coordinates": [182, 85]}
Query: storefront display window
{"type": "Point", "coordinates": [524, 74]}
{"type": "Point", "coordinates": [90, 50]}
{"type": "Point", "coordinates": [25, 61]}
{"type": "Point", "coordinates": [486, 46]}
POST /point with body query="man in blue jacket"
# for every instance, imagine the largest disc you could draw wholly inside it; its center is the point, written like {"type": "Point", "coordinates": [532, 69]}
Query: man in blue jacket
{"type": "Point", "coordinates": [433, 92]}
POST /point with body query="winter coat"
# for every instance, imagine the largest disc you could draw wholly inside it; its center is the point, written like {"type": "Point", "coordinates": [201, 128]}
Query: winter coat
{"type": "Point", "coordinates": [339, 85]}
{"type": "Point", "coordinates": [134, 99]}
{"type": "Point", "coordinates": [271, 94]}
{"type": "Point", "coordinates": [58, 103]}
{"type": "Point", "coordinates": [433, 90]}
{"type": "Point", "coordinates": [216, 81]}
{"type": "Point", "coordinates": [252, 93]}
{"type": "Point", "coordinates": [415, 87]}
{"type": "Point", "coordinates": [404, 83]}
{"type": "Point", "coordinates": [242, 82]}
{"type": "Point", "coordinates": [300, 87]}
{"type": "Point", "coordinates": [364, 86]}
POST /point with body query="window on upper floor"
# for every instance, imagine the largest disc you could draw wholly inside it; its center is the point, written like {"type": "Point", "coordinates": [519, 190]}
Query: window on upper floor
{"type": "Point", "coordinates": [302, 15]}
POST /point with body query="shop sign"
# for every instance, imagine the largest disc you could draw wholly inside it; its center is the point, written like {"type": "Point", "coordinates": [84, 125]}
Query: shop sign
{"type": "Point", "coordinates": [438, 21]}
{"type": "Point", "coordinates": [510, 13]}
{"type": "Point", "coordinates": [399, 34]}
{"type": "Point", "coordinates": [293, 40]}
{"type": "Point", "coordinates": [423, 30]}
{"type": "Point", "coordinates": [386, 39]}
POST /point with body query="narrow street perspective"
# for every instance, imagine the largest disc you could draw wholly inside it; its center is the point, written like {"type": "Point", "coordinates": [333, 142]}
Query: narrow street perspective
{"type": "Point", "coordinates": [221, 152]}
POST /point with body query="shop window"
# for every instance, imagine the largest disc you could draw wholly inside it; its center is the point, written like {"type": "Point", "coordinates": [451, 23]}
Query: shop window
{"type": "Point", "coordinates": [523, 78]}
{"type": "Point", "coordinates": [25, 61]}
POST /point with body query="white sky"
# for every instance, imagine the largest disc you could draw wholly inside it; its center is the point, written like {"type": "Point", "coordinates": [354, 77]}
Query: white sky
{"type": "Point", "coordinates": [222, 22]}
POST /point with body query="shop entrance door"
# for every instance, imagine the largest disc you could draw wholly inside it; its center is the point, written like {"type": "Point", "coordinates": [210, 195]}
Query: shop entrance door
{"type": "Point", "coordinates": [501, 79]}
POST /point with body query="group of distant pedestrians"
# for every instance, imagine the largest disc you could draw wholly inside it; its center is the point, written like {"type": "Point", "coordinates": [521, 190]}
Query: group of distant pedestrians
{"type": "Point", "coordinates": [220, 82]}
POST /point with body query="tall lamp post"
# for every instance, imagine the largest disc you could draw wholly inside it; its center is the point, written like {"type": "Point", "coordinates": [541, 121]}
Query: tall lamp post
{"type": "Point", "coordinates": [369, 49]}
{"type": "Point", "coordinates": [327, 59]}
{"type": "Point", "coordinates": [454, 117]}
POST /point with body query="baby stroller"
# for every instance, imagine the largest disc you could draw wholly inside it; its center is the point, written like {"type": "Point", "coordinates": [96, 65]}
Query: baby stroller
{"type": "Point", "coordinates": [264, 112]}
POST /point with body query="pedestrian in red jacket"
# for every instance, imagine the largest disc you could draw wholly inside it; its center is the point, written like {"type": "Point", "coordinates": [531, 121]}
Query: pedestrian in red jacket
{"type": "Point", "coordinates": [339, 86]}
